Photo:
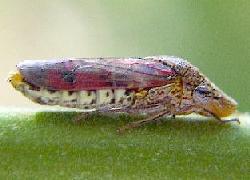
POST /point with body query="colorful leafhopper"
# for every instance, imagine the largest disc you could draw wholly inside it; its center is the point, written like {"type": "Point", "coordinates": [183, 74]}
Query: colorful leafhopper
{"type": "Point", "coordinates": [157, 86]}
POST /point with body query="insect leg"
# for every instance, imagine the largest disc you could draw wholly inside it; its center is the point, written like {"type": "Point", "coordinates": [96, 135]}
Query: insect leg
{"type": "Point", "coordinates": [140, 123]}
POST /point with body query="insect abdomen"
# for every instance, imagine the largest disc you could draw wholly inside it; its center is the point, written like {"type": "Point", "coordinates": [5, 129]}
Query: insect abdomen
{"type": "Point", "coordinates": [80, 99]}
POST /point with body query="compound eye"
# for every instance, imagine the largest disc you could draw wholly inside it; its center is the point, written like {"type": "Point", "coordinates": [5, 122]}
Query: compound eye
{"type": "Point", "coordinates": [202, 90]}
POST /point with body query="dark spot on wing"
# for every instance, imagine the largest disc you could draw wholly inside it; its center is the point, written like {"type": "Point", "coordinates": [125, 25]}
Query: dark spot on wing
{"type": "Point", "coordinates": [69, 76]}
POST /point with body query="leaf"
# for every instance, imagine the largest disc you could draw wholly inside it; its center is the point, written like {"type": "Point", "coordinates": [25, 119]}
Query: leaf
{"type": "Point", "coordinates": [50, 145]}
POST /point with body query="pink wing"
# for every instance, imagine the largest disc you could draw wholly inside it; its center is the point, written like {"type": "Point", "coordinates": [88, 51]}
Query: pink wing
{"type": "Point", "coordinates": [93, 74]}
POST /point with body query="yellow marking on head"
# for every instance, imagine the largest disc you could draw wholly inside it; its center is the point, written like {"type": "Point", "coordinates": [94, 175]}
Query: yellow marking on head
{"type": "Point", "coordinates": [16, 79]}
{"type": "Point", "coordinates": [227, 110]}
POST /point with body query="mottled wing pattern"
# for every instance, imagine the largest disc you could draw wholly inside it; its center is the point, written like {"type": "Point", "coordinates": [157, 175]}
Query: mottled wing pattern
{"type": "Point", "coordinates": [94, 74]}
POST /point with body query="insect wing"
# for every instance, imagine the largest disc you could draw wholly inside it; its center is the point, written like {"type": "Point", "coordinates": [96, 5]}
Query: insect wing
{"type": "Point", "coordinates": [94, 74]}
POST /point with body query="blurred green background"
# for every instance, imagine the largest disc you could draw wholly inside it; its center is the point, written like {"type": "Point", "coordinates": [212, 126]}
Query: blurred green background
{"type": "Point", "coordinates": [214, 35]}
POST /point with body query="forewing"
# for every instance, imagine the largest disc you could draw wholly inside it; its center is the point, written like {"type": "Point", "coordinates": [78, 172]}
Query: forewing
{"type": "Point", "coordinates": [93, 74]}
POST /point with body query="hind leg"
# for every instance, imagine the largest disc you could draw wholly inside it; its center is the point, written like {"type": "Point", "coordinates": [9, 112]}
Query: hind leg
{"type": "Point", "coordinates": [136, 124]}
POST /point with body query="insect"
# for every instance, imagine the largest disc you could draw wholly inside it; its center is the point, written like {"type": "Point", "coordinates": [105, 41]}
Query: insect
{"type": "Point", "coordinates": [157, 85]}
